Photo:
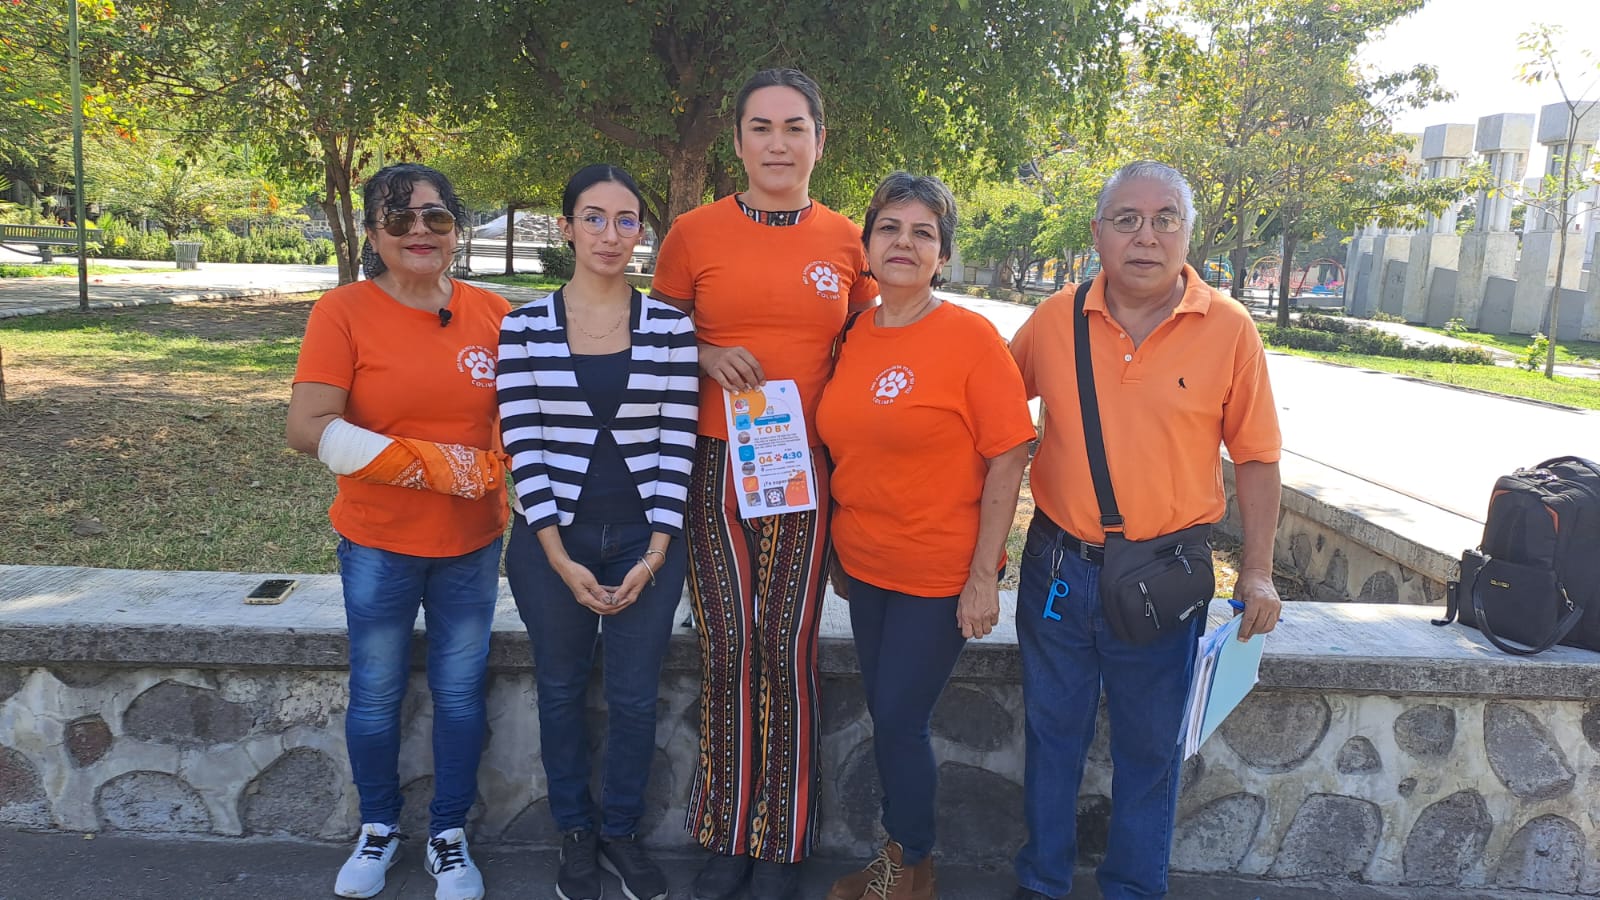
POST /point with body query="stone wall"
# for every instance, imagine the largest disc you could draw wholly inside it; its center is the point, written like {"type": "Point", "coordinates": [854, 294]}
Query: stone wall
{"type": "Point", "coordinates": [1376, 746]}
{"type": "Point", "coordinates": [1402, 790]}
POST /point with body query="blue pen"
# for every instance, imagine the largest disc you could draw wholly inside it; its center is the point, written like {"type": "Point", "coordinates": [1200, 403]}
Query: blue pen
{"type": "Point", "coordinates": [1238, 606]}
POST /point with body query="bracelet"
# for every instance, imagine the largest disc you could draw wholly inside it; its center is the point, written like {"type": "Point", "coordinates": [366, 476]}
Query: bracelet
{"type": "Point", "coordinates": [660, 553]}
{"type": "Point", "coordinates": [646, 563]}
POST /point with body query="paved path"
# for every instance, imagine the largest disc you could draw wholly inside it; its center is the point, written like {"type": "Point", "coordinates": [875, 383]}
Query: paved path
{"type": "Point", "coordinates": [71, 867]}
{"type": "Point", "coordinates": [148, 283]}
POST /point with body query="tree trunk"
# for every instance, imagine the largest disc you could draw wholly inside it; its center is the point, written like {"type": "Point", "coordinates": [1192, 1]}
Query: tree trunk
{"type": "Point", "coordinates": [337, 205]}
{"type": "Point", "coordinates": [511, 236]}
{"type": "Point", "coordinates": [1285, 266]}
{"type": "Point", "coordinates": [686, 181]}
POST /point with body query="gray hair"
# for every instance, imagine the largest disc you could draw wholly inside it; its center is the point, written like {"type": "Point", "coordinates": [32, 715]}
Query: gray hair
{"type": "Point", "coordinates": [900, 187]}
{"type": "Point", "coordinates": [1154, 171]}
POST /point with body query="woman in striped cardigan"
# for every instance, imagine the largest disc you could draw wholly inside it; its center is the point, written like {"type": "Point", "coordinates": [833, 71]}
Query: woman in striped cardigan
{"type": "Point", "coordinates": [598, 391]}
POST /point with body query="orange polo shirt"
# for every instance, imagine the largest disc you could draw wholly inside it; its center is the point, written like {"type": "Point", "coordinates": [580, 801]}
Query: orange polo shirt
{"type": "Point", "coordinates": [1197, 382]}
{"type": "Point", "coordinates": [911, 419]}
{"type": "Point", "coordinates": [780, 292]}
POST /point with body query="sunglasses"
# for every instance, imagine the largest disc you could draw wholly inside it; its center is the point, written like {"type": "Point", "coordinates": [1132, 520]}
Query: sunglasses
{"type": "Point", "coordinates": [437, 219]}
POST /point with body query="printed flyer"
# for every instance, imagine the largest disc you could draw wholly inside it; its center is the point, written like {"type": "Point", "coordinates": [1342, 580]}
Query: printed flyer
{"type": "Point", "coordinates": [768, 452]}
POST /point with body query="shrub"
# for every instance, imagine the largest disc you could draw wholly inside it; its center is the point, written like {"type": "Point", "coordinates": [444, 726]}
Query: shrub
{"type": "Point", "coordinates": [1456, 325]}
{"type": "Point", "coordinates": [1367, 342]}
{"type": "Point", "coordinates": [557, 261]}
{"type": "Point", "coordinates": [321, 252]}
{"type": "Point", "coordinates": [1538, 351]}
{"type": "Point", "coordinates": [1319, 322]}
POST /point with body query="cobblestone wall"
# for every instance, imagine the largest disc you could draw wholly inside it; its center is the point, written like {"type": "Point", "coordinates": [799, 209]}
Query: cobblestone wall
{"type": "Point", "coordinates": [1414, 790]}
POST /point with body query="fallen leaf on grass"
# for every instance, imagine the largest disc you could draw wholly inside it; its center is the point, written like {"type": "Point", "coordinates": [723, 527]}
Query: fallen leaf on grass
{"type": "Point", "coordinates": [88, 527]}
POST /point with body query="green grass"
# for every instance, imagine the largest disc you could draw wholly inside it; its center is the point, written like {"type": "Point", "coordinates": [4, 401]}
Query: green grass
{"type": "Point", "coordinates": [153, 438]}
{"type": "Point", "coordinates": [1567, 352]}
{"type": "Point", "coordinates": [41, 270]}
{"type": "Point", "coordinates": [522, 280]}
{"type": "Point", "coordinates": [1583, 393]}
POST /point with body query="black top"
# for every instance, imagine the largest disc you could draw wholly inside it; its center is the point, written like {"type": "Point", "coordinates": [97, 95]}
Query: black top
{"type": "Point", "coordinates": [609, 495]}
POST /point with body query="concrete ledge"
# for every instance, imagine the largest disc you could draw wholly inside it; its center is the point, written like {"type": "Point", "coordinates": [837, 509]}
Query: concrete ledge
{"type": "Point", "coordinates": [113, 617]}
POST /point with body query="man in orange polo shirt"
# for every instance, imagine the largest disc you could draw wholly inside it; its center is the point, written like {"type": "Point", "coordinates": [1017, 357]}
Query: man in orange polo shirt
{"type": "Point", "coordinates": [1179, 371]}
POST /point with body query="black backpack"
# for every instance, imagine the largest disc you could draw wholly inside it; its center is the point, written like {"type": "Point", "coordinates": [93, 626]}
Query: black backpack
{"type": "Point", "coordinates": [1534, 582]}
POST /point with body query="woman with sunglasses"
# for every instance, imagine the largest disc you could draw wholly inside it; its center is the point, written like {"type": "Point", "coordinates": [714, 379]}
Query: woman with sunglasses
{"type": "Point", "coordinates": [768, 275]}
{"type": "Point", "coordinates": [394, 392]}
{"type": "Point", "coordinates": [598, 390]}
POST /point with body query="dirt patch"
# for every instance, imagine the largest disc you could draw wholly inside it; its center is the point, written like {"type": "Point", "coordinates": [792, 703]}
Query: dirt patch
{"type": "Point", "coordinates": [247, 318]}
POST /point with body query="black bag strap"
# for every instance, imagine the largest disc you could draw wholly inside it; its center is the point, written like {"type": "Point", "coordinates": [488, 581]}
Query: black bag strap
{"type": "Point", "coordinates": [1094, 440]}
{"type": "Point", "coordinates": [1567, 623]}
{"type": "Point", "coordinates": [844, 332]}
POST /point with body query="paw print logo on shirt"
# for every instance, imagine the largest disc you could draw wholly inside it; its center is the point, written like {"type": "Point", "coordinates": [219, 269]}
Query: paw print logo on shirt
{"type": "Point", "coordinates": [891, 383]}
{"type": "Point", "coordinates": [825, 278]}
{"type": "Point", "coordinates": [477, 361]}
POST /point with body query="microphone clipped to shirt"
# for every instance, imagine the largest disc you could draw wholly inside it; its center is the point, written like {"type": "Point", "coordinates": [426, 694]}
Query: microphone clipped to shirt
{"type": "Point", "coordinates": [444, 316]}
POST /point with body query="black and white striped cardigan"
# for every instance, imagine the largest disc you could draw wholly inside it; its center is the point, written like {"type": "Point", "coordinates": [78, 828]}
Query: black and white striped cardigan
{"type": "Point", "coordinates": [550, 431]}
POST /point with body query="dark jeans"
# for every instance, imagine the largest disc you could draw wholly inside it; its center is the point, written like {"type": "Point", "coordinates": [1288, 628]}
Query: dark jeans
{"type": "Point", "coordinates": [563, 633]}
{"type": "Point", "coordinates": [1065, 663]}
{"type": "Point", "coordinates": [908, 647]}
{"type": "Point", "coordinates": [382, 591]}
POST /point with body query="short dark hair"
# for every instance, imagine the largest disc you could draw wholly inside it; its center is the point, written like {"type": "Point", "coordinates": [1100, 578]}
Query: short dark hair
{"type": "Point", "coordinates": [390, 188]}
{"type": "Point", "coordinates": [925, 189]}
{"type": "Point", "coordinates": [789, 78]}
{"type": "Point", "coordinates": [589, 176]}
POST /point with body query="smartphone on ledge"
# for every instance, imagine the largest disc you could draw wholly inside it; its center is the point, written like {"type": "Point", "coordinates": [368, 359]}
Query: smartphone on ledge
{"type": "Point", "coordinates": [273, 590]}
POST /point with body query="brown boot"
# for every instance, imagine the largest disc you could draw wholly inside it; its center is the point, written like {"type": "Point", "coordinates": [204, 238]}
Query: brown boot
{"type": "Point", "coordinates": [895, 881]}
{"type": "Point", "coordinates": [854, 885]}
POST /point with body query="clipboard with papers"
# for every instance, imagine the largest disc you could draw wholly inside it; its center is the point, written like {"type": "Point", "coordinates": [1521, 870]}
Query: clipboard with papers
{"type": "Point", "coordinates": [1225, 670]}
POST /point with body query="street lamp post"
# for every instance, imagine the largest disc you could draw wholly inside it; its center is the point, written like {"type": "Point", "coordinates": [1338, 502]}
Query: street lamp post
{"type": "Point", "coordinates": [77, 156]}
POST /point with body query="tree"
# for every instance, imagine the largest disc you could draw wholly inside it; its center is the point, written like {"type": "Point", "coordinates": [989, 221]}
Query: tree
{"type": "Point", "coordinates": [36, 115]}
{"type": "Point", "coordinates": [1555, 198]}
{"type": "Point", "coordinates": [318, 80]}
{"type": "Point", "coordinates": [154, 177]}
{"type": "Point", "coordinates": [908, 83]}
{"type": "Point", "coordinates": [1002, 222]}
{"type": "Point", "coordinates": [1263, 105]}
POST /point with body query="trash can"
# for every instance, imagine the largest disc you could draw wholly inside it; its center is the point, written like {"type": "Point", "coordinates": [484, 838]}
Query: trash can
{"type": "Point", "coordinates": [187, 253]}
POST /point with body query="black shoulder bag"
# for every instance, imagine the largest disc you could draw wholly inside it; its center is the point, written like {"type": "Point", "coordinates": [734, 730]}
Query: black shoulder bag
{"type": "Point", "coordinates": [1147, 588]}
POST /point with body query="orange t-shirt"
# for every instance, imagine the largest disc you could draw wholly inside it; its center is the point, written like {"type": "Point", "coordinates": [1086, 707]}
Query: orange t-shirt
{"type": "Point", "coordinates": [910, 419]}
{"type": "Point", "coordinates": [408, 377]}
{"type": "Point", "coordinates": [1197, 382]}
{"type": "Point", "coordinates": [780, 292]}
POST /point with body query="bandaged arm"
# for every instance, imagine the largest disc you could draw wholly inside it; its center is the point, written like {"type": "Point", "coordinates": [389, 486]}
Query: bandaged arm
{"type": "Point", "coordinates": [366, 455]}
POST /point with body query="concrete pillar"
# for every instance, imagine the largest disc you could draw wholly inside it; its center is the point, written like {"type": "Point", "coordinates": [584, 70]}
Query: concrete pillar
{"type": "Point", "coordinates": [1445, 149]}
{"type": "Point", "coordinates": [1489, 250]}
{"type": "Point", "coordinates": [1386, 248]}
{"type": "Point", "coordinates": [1356, 259]}
{"type": "Point", "coordinates": [1590, 329]}
{"type": "Point", "coordinates": [1484, 255]}
{"type": "Point", "coordinates": [1570, 135]}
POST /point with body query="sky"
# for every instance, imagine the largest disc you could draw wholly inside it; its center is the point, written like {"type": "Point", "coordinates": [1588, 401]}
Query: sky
{"type": "Point", "coordinates": [1473, 43]}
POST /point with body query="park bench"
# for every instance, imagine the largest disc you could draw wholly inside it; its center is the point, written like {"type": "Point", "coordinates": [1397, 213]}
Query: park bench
{"type": "Point", "coordinates": [43, 237]}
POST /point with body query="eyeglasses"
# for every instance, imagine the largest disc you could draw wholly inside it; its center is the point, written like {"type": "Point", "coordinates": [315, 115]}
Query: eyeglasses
{"type": "Point", "coordinates": [437, 219]}
{"type": "Point", "coordinates": [594, 223]}
{"type": "Point", "coordinates": [1130, 223]}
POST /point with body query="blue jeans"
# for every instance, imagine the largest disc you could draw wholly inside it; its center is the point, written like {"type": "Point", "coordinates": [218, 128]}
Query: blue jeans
{"type": "Point", "coordinates": [908, 647]}
{"type": "Point", "coordinates": [1065, 663]}
{"type": "Point", "coordinates": [634, 644]}
{"type": "Point", "coordinates": [382, 591]}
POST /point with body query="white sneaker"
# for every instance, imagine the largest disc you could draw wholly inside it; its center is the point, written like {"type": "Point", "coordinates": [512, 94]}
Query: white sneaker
{"type": "Point", "coordinates": [452, 867]}
{"type": "Point", "coordinates": [363, 873]}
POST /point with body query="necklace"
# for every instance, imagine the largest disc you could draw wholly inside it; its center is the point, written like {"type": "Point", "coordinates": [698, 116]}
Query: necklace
{"type": "Point", "coordinates": [921, 310]}
{"type": "Point", "coordinates": [572, 320]}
